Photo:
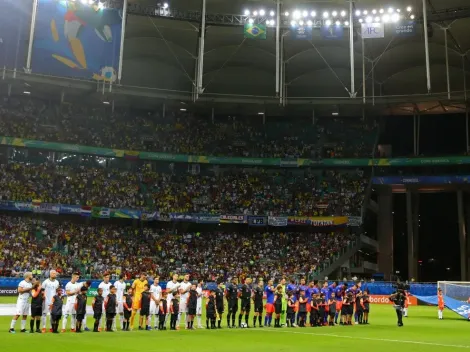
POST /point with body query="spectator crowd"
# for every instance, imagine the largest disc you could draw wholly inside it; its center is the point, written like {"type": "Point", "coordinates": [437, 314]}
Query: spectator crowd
{"type": "Point", "coordinates": [28, 244]}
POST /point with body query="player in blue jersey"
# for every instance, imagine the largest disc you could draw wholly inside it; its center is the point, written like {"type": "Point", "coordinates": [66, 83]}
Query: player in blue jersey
{"type": "Point", "coordinates": [292, 287]}
{"type": "Point", "coordinates": [326, 295]}
{"type": "Point", "coordinates": [269, 303]}
{"type": "Point", "coordinates": [339, 293]}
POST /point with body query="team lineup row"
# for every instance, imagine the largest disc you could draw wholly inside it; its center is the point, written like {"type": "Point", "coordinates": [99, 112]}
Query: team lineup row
{"type": "Point", "coordinates": [290, 305]}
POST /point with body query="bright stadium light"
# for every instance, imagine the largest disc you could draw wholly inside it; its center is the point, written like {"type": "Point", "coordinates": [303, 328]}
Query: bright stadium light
{"type": "Point", "coordinates": [328, 22]}
{"type": "Point", "coordinates": [91, 2]}
{"type": "Point", "coordinates": [365, 12]}
{"type": "Point", "coordinates": [286, 13]}
{"type": "Point", "coordinates": [390, 10]}
{"type": "Point", "coordinates": [412, 17]}
{"type": "Point", "coordinates": [262, 12]}
{"type": "Point", "coordinates": [255, 13]}
{"type": "Point", "coordinates": [293, 23]}
{"type": "Point", "coordinates": [247, 12]}
{"type": "Point", "coordinates": [296, 14]}
{"type": "Point", "coordinates": [358, 13]}
{"type": "Point", "coordinates": [273, 22]}
{"type": "Point", "coordinates": [386, 18]}
{"type": "Point", "coordinates": [309, 23]}
{"type": "Point", "coordinates": [368, 19]}
{"type": "Point", "coordinates": [381, 11]}
{"type": "Point", "coordinates": [301, 22]}
{"type": "Point", "coordinates": [377, 19]}
{"type": "Point", "coordinates": [343, 13]}
{"type": "Point", "coordinates": [409, 9]}
{"type": "Point", "coordinates": [26, 92]}
{"type": "Point", "coordinates": [272, 13]}
{"type": "Point", "coordinates": [361, 20]}
{"type": "Point", "coordinates": [165, 5]}
{"type": "Point", "coordinates": [305, 13]}
{"type": "Point", "coordinates": [325, 14]}
{"type": "Point", "coordinates": [338, 23]}
{"type": "Point", "coordinates": [346, 23]}
{"type": "Point", "coordinates": [334, 13]}
{"type": "Point", "coordinates": [398, 10]}
{"type": "Point", "coordinates": [101, 5]}
{"type": "Point", "coordinates": [251, 21]}
{"type": "Point", "coordinates": [84, 2]}
{"type": "Point", "coordinates": [182, 109]}
{"type": "Point", "coordinates": [395, 17]}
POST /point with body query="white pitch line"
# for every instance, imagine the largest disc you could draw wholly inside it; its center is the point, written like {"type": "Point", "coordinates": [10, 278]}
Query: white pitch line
{"type": "Point", "coordinates": [366, 338]}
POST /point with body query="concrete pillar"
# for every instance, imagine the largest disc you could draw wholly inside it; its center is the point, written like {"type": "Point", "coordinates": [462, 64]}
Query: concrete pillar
{"type": "Point", "coordinates": [385, 232]}
{"type": "Point", "coordinates": [412, 223]}
{"type": "Point", "coordinates": [462, 237]}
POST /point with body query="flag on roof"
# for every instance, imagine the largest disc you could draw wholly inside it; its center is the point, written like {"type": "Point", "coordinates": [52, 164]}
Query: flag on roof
{"type": "Point", "coordinates": [255, 31]}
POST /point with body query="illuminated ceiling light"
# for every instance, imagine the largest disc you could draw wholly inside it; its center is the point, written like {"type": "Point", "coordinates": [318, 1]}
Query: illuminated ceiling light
{"type": "Point", "coordinates": [106, 102]}
{"type": "Point", "coordinates": [343, 13]}
{"type": "Point", "coordinates": [305, 13]}
{"type": "Point", "coordinates": [325, 14]}
{"type": "Point", "coordinates": [395, 17]}
{"type": "Point", "coordinates": [273, 22]}
{"type": "Point", "coordinates": [390, 10]}
{"type": "Point", "coordinates": [386, 18]}
{"type": "Point", "coordinates": [361, 20]}
{"type": "Point", "coordinates": [101, 6]}
{"type": "Point", "coordinates": [301, 22]}
{"type": "Point", "coordinates": [313, 13]}
{"type": "Point", "coordinates": [255, 13]}
{"type": "Point", "coordinates": [368, 19]}
{"type": "Point", "coordinates": [328, 22]}
{"type": "Point", "coordinates": [377, 19]}
{"type": "Point", "coordinates": [84, 2]}
{"type": "Point", "coordinates": [338, 23]}
{"type": "Point", "coordinates": [272, 13]}
{"type": "Point", "coordinates": [91, 2]}
{"type": "Point", "coordinates": [262, 12]}
{"type": "Point", "coordinates": [346, 23]}
{"type": "Point", "coordinates": [309, 23]}
{"type": "Point", "coordinates": [374, 11]}
{"type": "Point", "coordinates": [365, 12]}
{"type": "Point", "coordinates": [381, 11]}
{"type": "Point", "coordinates": [412, 17]}
{"type": "Point", "coordinates": [398, 10]}
{"type": "Point", "coordinates": [247, 12]}
{"type": "Point", "coordinates": [286, 13]}
{"type": "Point", "coordinates": [293, 23]}
{"type": "Point", "coordinates": [334, 13]}
{"type": "Point", "coordinates": [182, 109]}
{"type": "Point", "coordinates": [409, 9]}
{"type": "Point", "coordinates": [251, 21]}
{"type": "Point", "coordinates": [358, 13]}
{"type": "Point", "coordinates": [296, 14]}
{"type": "Point", "coordinates": [165, 5]}
{"type": "Point", "coordinates": [26, 92]}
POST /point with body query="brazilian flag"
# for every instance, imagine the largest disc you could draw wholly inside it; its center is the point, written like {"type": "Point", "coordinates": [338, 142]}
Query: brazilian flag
{"type": "Point", "coordinates": [255, 31]}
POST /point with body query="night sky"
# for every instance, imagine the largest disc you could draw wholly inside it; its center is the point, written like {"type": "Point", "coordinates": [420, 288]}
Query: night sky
{"type": "Point", "coordinates": [438, 237]}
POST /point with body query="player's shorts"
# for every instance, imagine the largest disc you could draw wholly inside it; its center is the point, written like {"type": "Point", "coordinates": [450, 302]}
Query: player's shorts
{"type": "Point", "coordinates": [332, 313]}
{"type": "Point", "coordinates": [220, 309]}
{"type": "Point", "coordinates": [183, 307]}
{"type": "Point", "coordinates": [22, 308]}
{"type": "Point", "coordinates": [120, 308]}
{"type": "Point", "coordinates": [192, 310]}
{"type": "Point", "coordinates": [36, 311]}
{"type": "Point", "coordinates": [269, 308]}
{"type": "Point", "coordinates": [351, 310]}
{"type": "Point", "coordinates": [232, 307]}
{"type": "Point", "coordinates": [344, 310]}
{"type": "Point", "coordinates": [366, 309]}
{"type": "Point", "coordinates": [80, 317]}
{"type": "Point", "coordinates": [339, 304]}
{"type": "Point", "coordinates": [199, 309]}
{"type": "Point", "coordinates": [69, 308]}
{"type": "Point", "coordinates": [258, 307]}
{"type": "Point", "coordinates": [110, 316]}
{"type": "Point", "coordinates": [97, 316]}
{"type": "Point", "coordinates": [278, 308]}
{"type": "Point", "coordinates": [136, 303]}
{"type": "Point", "coordinates": [55, 317]}
{"type": "Point", "coordinates": [127, 314]}
{"type": "Point", "coordinates": [245, 306]}
{"type": "Point", "coordinates": [154, 309]}
{"type": "Point", "coordinates": [145, 311]}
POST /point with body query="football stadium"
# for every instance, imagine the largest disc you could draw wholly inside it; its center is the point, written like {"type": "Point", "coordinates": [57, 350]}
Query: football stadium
{"type": "Point", "coordinates": [218, 175]}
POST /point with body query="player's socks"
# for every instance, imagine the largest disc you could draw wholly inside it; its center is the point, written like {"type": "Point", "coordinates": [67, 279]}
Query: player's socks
{"type": "Point", "coordinates": [31, 325]}
{"type": "Point", "coordinates": [240, 317]}
{"type": "Point", "coordinates": [336, 317]}
{"type": "Point", "coordinates": [38, 324]}
{"type": "Point", "coordinates": [219, 323]}
{"type": "Point", "coordinates": [270, 320]}
{"type": "Point", "coordinates": [246, 319]}
{"type": "Point", "coordinates": [228, 319]}
{"type": "Point", "coordinates": [23, 324]}
{"type": "Point", "coordinates": [254, 321]}
{"type": "Point", "coordinates": [207, 323]}
{"type": "Point", "coordinates": [260, 319]}
{"type": "Point", "coordinates": [13, 323]}
{"type": "Point", "coordinates": [233, 320]}
{"type": "Point", "coordinates": [266, 318]}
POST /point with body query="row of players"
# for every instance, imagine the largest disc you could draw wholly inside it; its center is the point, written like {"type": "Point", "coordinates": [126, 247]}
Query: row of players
{"type": "Point", "coordinates": [289, 304]}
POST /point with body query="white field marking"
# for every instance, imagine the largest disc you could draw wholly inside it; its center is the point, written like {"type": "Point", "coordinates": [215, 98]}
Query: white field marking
{"type": "Point", "coordinates": [366, 338]}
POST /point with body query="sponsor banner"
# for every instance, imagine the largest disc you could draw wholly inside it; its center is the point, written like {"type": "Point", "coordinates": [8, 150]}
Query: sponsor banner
{"type": "Point", "coordinates": [384, 299]}
{"type": "Point", "coordinates": [181, 217]}
{"type": "Point", "coordinates": [16, 206]}
{"type": "Point", "coordinates": [125, 213]}
{"type": "Point", "coordinates": [8, 291]}
{"type": "Point", "coordinates": [257, 220]}
{"type": "Point", "coordinates": [317, 221]}
{"type": "Point", "coordinates": [47, 208]}
{"type": "Point", "coordinates": [149, 216]}
{"type": "Point", "coordinates": [289, 163]}
{"type": "Point", "coordinates": [277, 220]}
{"type": "Point", "coordinates": [164, 217]}
{"type": "Point", "coordinates": [372, 30]}
{"type": "Point", "coordinates": [354, 220]}
{"type": "Point", "coordinates": [232, 219]}
{"type": "Point", "coordinates": [99, 212]}
{"type": "Point", "coordinates": [427, 180]}
{"type": "Point", "coordinates": [207, 218]}
{"type": "Point", "coordinates": [405, 29]}
{"type": "Point", "coordinates": [301, 33]}
{"type": "Point", "coordinates": [92, 292]}
{"type": "Point", "coordinates": [298, 220]}
{"type": "Point", "coordinates": [70, 209]}
{"type": "Point", "coordinates": [15, 19]}
{"type": "Point", "coordinates": [255, 31]}
{"type": "Point", "coordinates": [332, 32]}
{"type": "Point", "coordinates": [76, 39]}
{"type": "Point", "coordinates": [85, 211]}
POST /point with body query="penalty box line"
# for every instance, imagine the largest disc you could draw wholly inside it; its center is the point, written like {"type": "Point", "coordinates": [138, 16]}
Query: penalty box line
{"type": "Point", "coordinates": [365, 338]}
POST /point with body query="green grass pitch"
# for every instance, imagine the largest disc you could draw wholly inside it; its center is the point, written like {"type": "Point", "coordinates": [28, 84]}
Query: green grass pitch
{"type": "Point", "coordinates": [422, 332]}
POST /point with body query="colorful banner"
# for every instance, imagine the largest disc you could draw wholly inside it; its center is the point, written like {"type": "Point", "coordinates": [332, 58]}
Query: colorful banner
{"type": "Point", "coordinates": [257, 220]}
{"type": "Point", "coordinates": [125, 213]}
{"type": "Point", "coordinates": [277, 221]}
{"type": "Point", "coordinates": [149, 216]}
{"type": "Point", "coordinates": [76, 39]}
{"type": "Point", "coordinates": [15, 19]}
{"type": "Point", "coordinates": [199, 159]}
{"type": "Point", "coordinates": [425, 180]}
{"type": "Point", "coordinates": [232, 219]}
{"type": "Point", "coordinates": [332, 32]}
{"type": "Point", "coordinates": [47, 208]}
{"type": "Point", "coordinates": [16, 206]}
{"type": "Point", "coordinates": [70, 209]}
{"type": "Point", "coordinates": [255, 31]}
{"type": "Point", "coordinates": [207, 219]}
{"type": "Point", "coordinates": [384, 299]}
{"type": "Point", "coordinates": [85, 211]}
{"type": "Point", "coordinates": [405, 29]}
{"type": "Point", "coordinates": [301, 33]}
{"type": "Point", "coordinates": [184, 217]}
{"type": "Point", "coordinates": [101, 213]}
{"type": "Point", "coordinates": [372, 30]}
{"type": "Point", "coordinates": [317, 221]}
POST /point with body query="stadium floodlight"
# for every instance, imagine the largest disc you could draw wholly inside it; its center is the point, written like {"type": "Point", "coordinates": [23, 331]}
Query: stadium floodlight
{"type": "Point", "coordinates": [326, 14]}
{"type": "Point", "coordinates": [313, 13]}
{"type": "Point", "coordinates": [365, 12]}
{"type": "Point", "coordinates": [309, 23]}
{"type": "Point", "coordinates": [334, 13]}
{"type": "Point", "coordinates": [301, 22]}
{"type": "Point", "coordinates": [338, 23]}
{"type": "Point", "coordinates": [386, 18]}
{"type": "Point", "coordinates": [374, 11]}
{"type": "Point", "coordinates": [261, 113]}
{"type": "Point", "coordinates": [377, 19]}
{"type": "Point", "coordinates": [305, 13]}
{"type": "Point", "coordinates": [358, 12]}
{"type": "Point", "coordinates": [182, 109]}
{"type": "Point", "coordinates": [255, 13]}
{"type": "Point", "coordinates": [273, 22]}
{"type": "Point", "coordinates": [328, 22]}
{"type": "Point", "coordinates": [390, 10]}
{"type": "Point", "coordinates": [395, 17]}
{"type": "Point", "coordinates": [165, 5]}
{"type": "Point", "coordinates": [296, 14]}
{"type": "Point", "coordinates": [106, 102]}
{"type": "Point", "coordinates": [293, 23]}
{"type": "Point", "coordinates": [251, 21]}
{"type": "Point", "coordinates": [262, 12]}
{"type": "Point", "coordinates": [247, 12]}
{"type": "Point", "coordinates": [409, 9]}
{"type": "Point", "coordinates": [398, 10]}
{"type": "Point", "coordinates": [361, 20]}
{"type": "Point", "coordinates": [272, 13]}
{"type": "Point", "coordinates": [368, 19]}
{"type": "Point", "coordinates": [346, 23]}
{"type": "Point", "coordinates": [381, 11]}
{"type": "Point", "coordinates": [26, 92]}
{"type": "Point", "coordinates": [343, 13]}
{"type": "Point", "coordinates": [412, 17]}
{"type": "Point", "coordinates": [286, 13]}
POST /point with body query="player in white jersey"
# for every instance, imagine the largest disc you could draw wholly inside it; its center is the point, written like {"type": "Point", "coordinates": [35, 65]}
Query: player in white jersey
{"type": "Point", "coordinates": [106, 286]}
{"type": "Point", "coordinates": [120, 289]}
{"type": "Point", "coordinates": [199, 303]}
{"type": "Point", "coordinates": [155, 295]}
{"type": "Point", "coordinates": [22, 303]}
{"type": "Point", "coordinates": [185, 286]}
{"type": "Point", "coordinates": [171, 286]}
{"type": "Point", "coordinates": [71, 290]}
{"type": "Point", "coordinates": [50, 287]}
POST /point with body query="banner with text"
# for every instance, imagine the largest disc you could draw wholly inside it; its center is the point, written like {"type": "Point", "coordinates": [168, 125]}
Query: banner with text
{"type": "Point", "coordinates": [301, 33]}
{"type": "Point", "coordinates": [317, 221]}
{"type": "Point", "coordinates": [277, 220]}
{"type": "Point", "coordinates": [232, 219]}
{"type": "Point", "coordinates": [405, 29]}
{"type": "Point", "coordinates": [257, 220]}
{"type": "Point", "coordinates": [372, 30]}
{"type": "Point", "coordinates": [332, 32]}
